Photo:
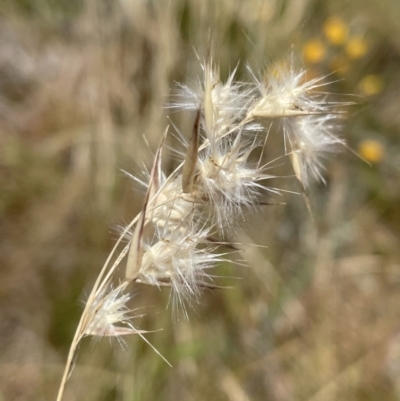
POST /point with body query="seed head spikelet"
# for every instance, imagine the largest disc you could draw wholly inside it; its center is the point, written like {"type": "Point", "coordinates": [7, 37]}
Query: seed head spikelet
{"type": "Point", "coordinates": [311, 139]}
{"type": "Point", "coordinates": [109, 315]}
{"type": "Point", "coordinates": [179, 259]}
{"type": "Point", "coordinates": [285, 92]}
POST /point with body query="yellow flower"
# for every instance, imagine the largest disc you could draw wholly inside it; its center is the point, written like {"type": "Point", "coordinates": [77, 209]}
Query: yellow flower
{"type": "Point", "coordinates": [371, 150]}
{"type": "Point", "coordinates": [335, 30]}
{"type": "Point", "coordinates": [356, 47]}
{"type": "Point", "coordinates": [314, 51]}
{"type": "Point", "coordinates": [371, 85]}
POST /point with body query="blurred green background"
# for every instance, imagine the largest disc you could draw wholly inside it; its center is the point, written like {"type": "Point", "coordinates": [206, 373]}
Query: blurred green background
{"type": "Point", "coordinates": [316, 315]}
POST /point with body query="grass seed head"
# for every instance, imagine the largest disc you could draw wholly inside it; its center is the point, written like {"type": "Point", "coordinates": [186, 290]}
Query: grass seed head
{"type": "Point", "coordinates": [180, 260]}
{"type": "Point", "coordinates": [311, 139]}
{"type": "Point", "coordinates": [109, 316]}
{"type": "Point", "coordinates": [286, 93]}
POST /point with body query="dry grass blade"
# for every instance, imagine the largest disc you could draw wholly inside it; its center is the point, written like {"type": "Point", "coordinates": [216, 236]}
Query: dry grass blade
{"type": "Point", "coordinates": [189, 166]}
{"type": "Point", "coordinates": [135, 255]}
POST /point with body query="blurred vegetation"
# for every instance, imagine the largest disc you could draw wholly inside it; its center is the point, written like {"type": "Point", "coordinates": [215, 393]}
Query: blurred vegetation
{"type": "Point", "coordinates": [315, 317]}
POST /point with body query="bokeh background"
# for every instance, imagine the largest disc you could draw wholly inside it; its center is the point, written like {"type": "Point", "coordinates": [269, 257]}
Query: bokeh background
{"type": "Point", "coordinates": [83, 85]}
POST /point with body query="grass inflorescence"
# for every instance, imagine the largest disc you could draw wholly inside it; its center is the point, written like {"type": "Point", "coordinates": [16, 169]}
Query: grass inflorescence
{"type": "Point", "coordinates": [175, 240]}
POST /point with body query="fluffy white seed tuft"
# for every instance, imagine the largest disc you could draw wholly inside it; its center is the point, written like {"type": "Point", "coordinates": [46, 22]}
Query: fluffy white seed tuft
{"type": "Point", "coordinates": [311, 139]}
{"type": "Point", "coordinates": [109, 316]}
{"type": "Point", "coordinates": [285, 92]}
